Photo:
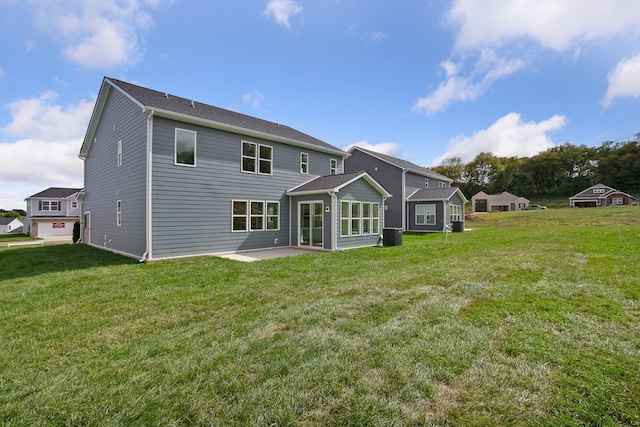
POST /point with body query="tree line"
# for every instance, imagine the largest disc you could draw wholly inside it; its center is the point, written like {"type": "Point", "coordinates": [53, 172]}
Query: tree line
{"type": "Point", "coordinates": [563, 170]}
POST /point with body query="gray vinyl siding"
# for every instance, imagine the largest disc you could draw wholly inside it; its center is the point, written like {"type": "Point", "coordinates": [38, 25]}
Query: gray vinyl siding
{"type": "Point", "coordinates": [359, 191]}
{"type": "Point", "coordinates": [191, 212]}
{"type": "Point", "coordinates": [105, 182]}
{"type": "Point", "coordinates": [387, 175]}
{"type": "Point", "coordinates": [327, 232]}
{"type": "Point", "coordinates": [415, 182]}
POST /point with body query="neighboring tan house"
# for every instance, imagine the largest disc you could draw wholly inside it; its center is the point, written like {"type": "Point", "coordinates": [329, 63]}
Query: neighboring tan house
{"type": "Point", "coordinates": [9, 225]}
{"type": "Point", "coordinates": [503, 202]}
{"type": "Point", "coordinates": [52, 212]}
{"type": "Point", "coordinates": [169, 177]}
{"type": "Point", "coordinates": [423, 199]}
{"type": "Point", "coordinates": [600, 195]}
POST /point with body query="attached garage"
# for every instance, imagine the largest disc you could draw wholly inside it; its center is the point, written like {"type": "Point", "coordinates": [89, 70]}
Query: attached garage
{"type": "Point", "coordinates": [52, 227]}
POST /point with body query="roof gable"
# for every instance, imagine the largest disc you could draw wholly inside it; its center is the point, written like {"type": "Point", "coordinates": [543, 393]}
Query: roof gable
{"type": "Point", "coordinates": [56, 193]}
{"type": "Point", "coordinates": [327, 183]}
{"type": "Point", "coordinates": [402, 164]}
{"type": "Point", "coordinates": [428, 194]}
{"type": "Point", "coordinates": [183, 109]}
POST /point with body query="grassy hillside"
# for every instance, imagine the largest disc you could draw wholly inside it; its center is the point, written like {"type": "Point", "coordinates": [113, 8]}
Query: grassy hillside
{"type": "Point", "coordinates": [531, 318]}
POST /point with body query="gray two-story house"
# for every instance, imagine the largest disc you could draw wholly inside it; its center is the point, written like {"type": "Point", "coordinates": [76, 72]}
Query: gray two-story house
{"type": "Point", "coordinates": [423, 200]}
{"type": "Point", "coordinates": [53, 212]}
{"type": "Point", "coordinates": [167, 177]}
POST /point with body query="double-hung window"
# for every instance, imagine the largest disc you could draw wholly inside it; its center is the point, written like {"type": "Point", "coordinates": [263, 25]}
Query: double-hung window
{"type": "Point", "coordinates": [355, 218]}
{"type": "Point", "coordinates": [273, 215]}
{"type": "Point", "coordinates": [366, 218]}
{"type": "Point", "coordinates": [617, 201]}
{"type": "Point", "coordinates": [257, 215]}
{"type": "Point", "coordinates": [239, 215]}
{"type": "Point", "coordinates": [455, 212]}
{"type": "Point", "coordinates": [50, 205]}
{"type": "Point", "coordinates": [375, 218]}
{"type": "Point", "coordinates": [304, 163]}
{"type": "Point", "coordinates": [120, 153]}
{"type": "Point", "coordinates": [425, 214]}
{"type": "Point", "coordinates": [443, 184]}
{"type": "Point", "coordinates": [185, 148]}
{"type": "Point", "coordinates": [257, 158]}
{"type": "Point", "coordinates": [333, 167]}
{"type": "Point", "coordinates": [344, 219]}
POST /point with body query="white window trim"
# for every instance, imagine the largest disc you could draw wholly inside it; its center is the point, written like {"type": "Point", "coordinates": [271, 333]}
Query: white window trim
{"type": "Point", "coordinates": [375, 219]}
{"type": "Point", "coordinates": [260, 159]}
{"type": "Point", "coordinates": [256, 159]}
{"type": "Point", "coordinates": [305, 163]}
{"type": "Point", "coordinates": [251, 216]}
{"type": "Point", "coordinates": [120, 153]}
{"type": "Point", "coordinates": [359, 218]}
{"type": "Point", "coordinates": [333, 170]}
{"type": "Point", "coordinates": [455, 212]}
{"type": "Point", "coordinates": [598, 191]}
{"type": "Point", "coordinates": [266, 215]}
{"type": "Point", "coordinates": [246, 216]}
{"type": "Point", "coordinates": [617, 200]}
{"type": "Point", "coordinates": [426, 183]}
{"type": "Point", "coordinates": [119, 213]}
{"type": "Point", "coordinates": [175, 148]}
{"type": "Point", "coordinates": [347, 217]}
{"type": "Point", "coordinates": [426, 214]}
{"type": "Point", "coordinates": [443, 185]}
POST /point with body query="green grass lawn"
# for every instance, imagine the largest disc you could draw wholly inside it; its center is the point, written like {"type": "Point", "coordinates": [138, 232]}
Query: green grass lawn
{"type": "Point", "coordinates": [531, 318]}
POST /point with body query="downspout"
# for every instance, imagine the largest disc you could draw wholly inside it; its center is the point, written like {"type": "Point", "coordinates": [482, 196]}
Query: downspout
{"type": "Point", "coordinates": [334, 218]}
{"type": "Point", "coordinates": [404, 200]}
{"type": "Point", "coordinates": [148, 238]}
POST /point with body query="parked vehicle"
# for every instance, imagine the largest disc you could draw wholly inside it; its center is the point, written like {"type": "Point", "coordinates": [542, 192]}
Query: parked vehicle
{"type": "Point", "coordinates": [534, 207]}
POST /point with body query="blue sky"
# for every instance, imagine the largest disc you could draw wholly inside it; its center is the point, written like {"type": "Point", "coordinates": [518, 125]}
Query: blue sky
{"type": "Point", "coordinates": [421, 80]}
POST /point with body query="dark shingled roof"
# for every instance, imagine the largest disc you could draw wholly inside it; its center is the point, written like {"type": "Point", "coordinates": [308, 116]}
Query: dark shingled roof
{"type": "Point", "coordinates": [57, 192]}
{"type": "Point", "coordinates": [433, 194]}
{"type": "Point", "coordinates": [156, 100]}
{"type": "Point", "coordinates": [405, 164]}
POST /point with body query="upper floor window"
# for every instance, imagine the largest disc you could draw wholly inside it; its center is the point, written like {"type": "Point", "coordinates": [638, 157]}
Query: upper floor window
{"type": "Point", "coordinates": [443, 184]}
{"type": "Point", "coordinates": [333, 167]}
{"type": "Point", "coordinates": [598, 190]}
{"type": "Point", "coordinates": [119, 213]}
{"type": "Point", "coordinates": [426, 183]}
{"type": "Point", "coordinates": [257, 158]}
{"type": "Point", "coordinates": [120, 153]}
{"type": "Point", "coordinates": [304, 163]}
{"type": "Point", "coordinates": [49, 205]}
{"type": "Point", "coordinates": [185, 152]}
{"type": "Point", "coordinates": [74, 204]}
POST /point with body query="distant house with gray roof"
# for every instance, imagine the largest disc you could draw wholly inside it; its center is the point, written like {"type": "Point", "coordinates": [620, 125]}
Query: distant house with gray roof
{"type": "Point", "coordinates": [167, 177]}
{"type": "Point", "coordinates": [423, 200]}
{"type": "Point", "coordinates": [53, 211]}
{"type": "Point", "coordinates": [503, 202]}
{"type": "Point", "coordinates": [10, 225]}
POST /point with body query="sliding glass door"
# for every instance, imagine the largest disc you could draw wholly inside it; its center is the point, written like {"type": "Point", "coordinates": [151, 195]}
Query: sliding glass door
{"type": "Point", "coordinates": [310, 224]}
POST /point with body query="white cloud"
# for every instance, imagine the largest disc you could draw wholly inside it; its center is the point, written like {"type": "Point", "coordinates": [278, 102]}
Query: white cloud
{"type": "Point", "coordinates": [509, 136]}
{"type": "Point", "coordinates": [555, 24]}
{"type": "Point", "coordinates": [253, 98]}
{"type": "Point", "coordinates": [624, 81]}
{"type": "Point", "coordinates": [49, 139]}
{"type": "Point", "coordinates": [389, 148]}
{"type": "Point", "coordinates": [379, 36]}
{"type": "Point", "coordinates": [282, 11]}
{"type": "Point", "coordinates": [96, 34]}
{"type": "Point", "coordinates": [487, 70]}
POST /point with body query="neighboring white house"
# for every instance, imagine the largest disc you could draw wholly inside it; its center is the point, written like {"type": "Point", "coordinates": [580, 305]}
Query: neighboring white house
{"type": "Point", "coordinates": [9, 225]}
{"type": "Point", "coordinates": [52, 212]}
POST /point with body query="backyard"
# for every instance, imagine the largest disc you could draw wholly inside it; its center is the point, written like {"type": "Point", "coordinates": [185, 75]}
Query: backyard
{"type": "Point", "coordinates": [530, 318]}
